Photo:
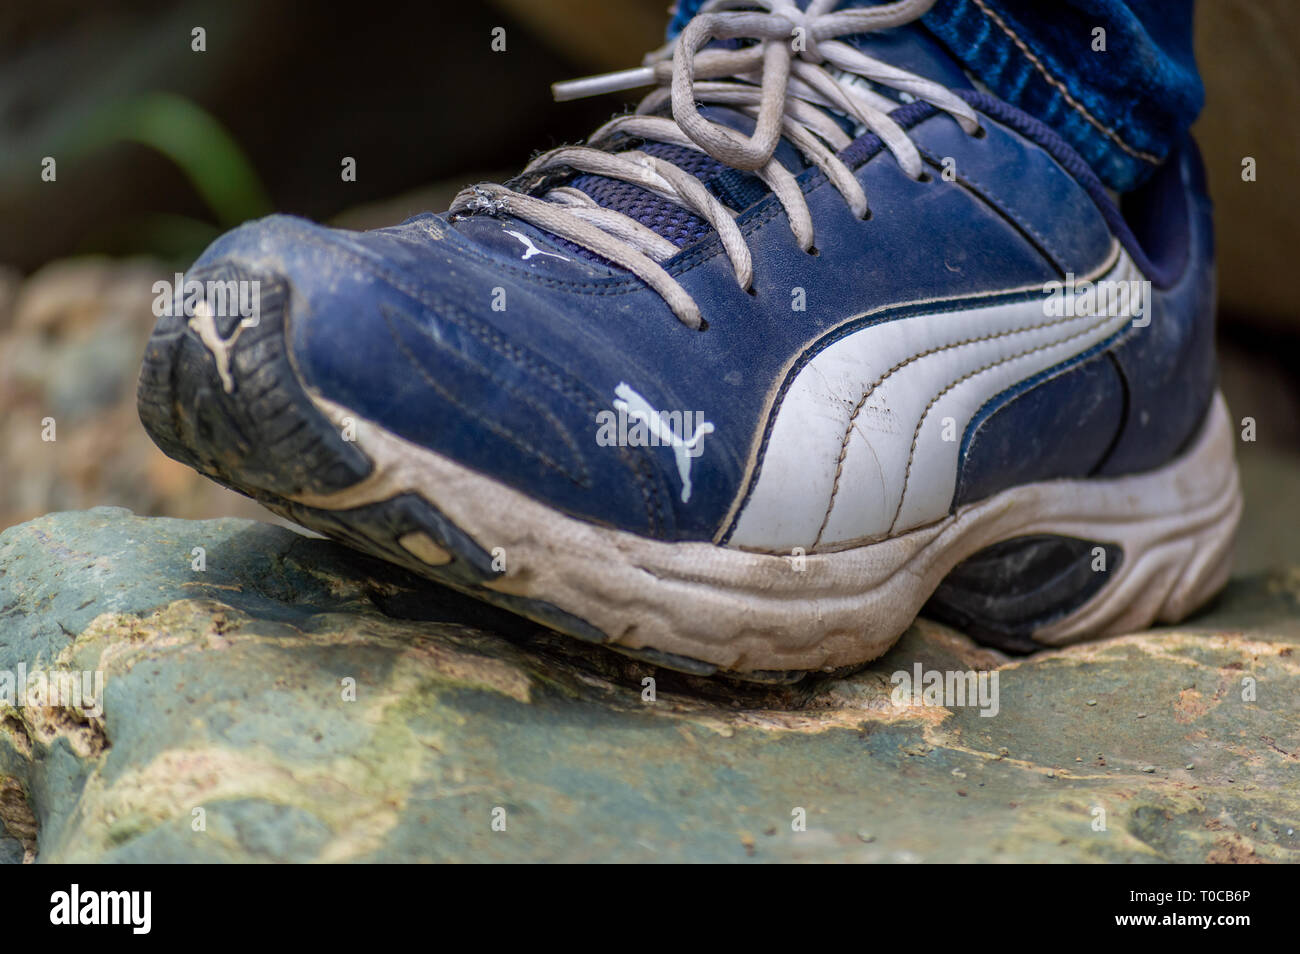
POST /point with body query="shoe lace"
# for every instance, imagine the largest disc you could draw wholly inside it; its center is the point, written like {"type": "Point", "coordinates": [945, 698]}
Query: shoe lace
{"type": "Point", "coordinates": [783, 81]}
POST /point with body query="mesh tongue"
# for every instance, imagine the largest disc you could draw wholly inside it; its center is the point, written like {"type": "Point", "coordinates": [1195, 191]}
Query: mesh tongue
{"type": "Point", "coordinates": [678, 225]}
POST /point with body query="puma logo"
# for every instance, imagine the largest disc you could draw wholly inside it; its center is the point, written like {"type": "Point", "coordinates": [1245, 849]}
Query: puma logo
{"type": "Point", "coordinates": [204, 324]}
{"type": "Point", "coordinates": [664, 428]}
{"type": "Point", "coordinates": [530, 249]}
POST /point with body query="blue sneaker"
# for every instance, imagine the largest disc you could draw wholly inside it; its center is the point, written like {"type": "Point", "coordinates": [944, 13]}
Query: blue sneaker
{"type": "Point", "coordinates": [753, 377]}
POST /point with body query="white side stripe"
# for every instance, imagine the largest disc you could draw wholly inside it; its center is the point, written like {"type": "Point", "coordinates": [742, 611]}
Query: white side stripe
{"type": "Point", "coordinates": [866, 440]}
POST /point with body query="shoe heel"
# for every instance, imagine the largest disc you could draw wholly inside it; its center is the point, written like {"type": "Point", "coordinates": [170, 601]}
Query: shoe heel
{"type": "Point", "coordinates": [1175, 529]}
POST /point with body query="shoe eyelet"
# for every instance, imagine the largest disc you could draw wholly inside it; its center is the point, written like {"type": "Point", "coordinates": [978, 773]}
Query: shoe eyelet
{"type": "Point", "coordinates": [814, 251]}
{"type": "Point", "coordinates": [751, 291]}
{"type": "Point", "coordinates": [980, 133]}
{"type": "Point", "coordinates": [867, 216]}
{"type": "Point", "coordinates": [925, 177]}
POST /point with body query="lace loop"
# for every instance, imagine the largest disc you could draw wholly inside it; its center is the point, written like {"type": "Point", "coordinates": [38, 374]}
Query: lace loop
{"type": "Point", "coordinates": [784, 83]}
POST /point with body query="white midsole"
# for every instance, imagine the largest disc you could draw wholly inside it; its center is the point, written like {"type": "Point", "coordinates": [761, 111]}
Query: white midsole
{"type": "Point", "coordinates": [749, 611]}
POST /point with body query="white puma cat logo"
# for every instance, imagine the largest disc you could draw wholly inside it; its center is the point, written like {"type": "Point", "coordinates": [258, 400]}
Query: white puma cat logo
{"type": "Point", "coordinates": [628, 402]}
{"type": "Point", "coordinates": [530, 249]}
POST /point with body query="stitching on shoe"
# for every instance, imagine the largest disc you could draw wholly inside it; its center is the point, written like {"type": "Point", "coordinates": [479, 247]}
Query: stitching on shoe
{"type": "Point", "coordinates": [445, 309]}
{"type": "Point", "coordinates": [991, 198]}
{"type": "Point", "coordinates": [490, 338]}
{"type": "Point", "coordinates": [1111, 344]}
{"type": "Point", "coordinates": [916, 434]}
{"type": "Point", "coordinates": [857, 409]}
{"type": "Point", "coordinates": [650, 494]}
{"type": "Point", "coordinates": [581, 479]}
{"type": "Point", "coordinates": [753, 463]}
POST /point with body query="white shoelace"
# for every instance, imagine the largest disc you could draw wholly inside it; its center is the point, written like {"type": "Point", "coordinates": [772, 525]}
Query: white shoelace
{"type": "Point", "coordinates": [783, 82]}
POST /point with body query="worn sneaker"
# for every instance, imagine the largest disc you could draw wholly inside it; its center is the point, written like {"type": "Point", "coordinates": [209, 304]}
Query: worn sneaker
{"type": "Point", "coordinates": [817, 338]}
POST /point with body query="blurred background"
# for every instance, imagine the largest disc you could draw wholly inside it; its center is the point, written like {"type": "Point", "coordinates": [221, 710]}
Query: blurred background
{"type": "Point", "coordinates": [159, 147]}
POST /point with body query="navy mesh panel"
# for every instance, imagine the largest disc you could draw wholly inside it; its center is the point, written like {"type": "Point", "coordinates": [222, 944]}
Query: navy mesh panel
{"type": "Point", "coordinates": [666, 218]}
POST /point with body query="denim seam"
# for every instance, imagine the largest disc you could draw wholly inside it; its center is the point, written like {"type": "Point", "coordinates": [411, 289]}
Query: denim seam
{"type": "Point", "coordinates": [1061, 88]}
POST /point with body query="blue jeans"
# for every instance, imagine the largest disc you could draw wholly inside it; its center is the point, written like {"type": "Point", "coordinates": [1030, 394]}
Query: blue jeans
{"type": "Point", "coordinates": [1122, 108]}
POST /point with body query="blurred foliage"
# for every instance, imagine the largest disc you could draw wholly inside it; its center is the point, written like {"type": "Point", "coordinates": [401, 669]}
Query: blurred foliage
{"type": "Point", "coordinates": [160, 146]}
{"type": "Point", "coordinates": [201, 148]}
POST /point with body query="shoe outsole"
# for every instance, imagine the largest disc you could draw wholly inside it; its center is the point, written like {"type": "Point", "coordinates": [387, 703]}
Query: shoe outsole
{"type": "Point", "coordinates": [254, 428]}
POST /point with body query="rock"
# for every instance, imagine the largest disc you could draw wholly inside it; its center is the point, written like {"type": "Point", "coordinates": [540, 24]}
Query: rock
{"type": "Point", "coordinates": [227, 734]}
{"type": "Point", "coordinates": [17, 824]}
